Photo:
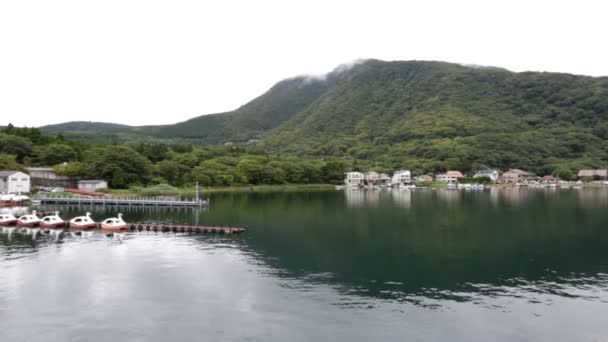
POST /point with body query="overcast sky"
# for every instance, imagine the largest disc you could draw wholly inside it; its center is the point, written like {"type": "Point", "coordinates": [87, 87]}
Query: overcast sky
{"type": "Point", "coordinates": [155, 62]}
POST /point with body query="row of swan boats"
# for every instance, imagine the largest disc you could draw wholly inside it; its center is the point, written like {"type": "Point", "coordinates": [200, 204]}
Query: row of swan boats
{"type": "Point", "coordinates": [56, 222]}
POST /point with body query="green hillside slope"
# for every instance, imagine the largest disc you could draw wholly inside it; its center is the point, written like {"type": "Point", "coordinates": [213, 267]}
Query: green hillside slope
{"type": "Point", "coordinates": [426, 116]}
{"type": "Point", "coordinates": [432, 116]}
{"type": "Point", "coordinates": [250, 121]}
{"type": "Point", "coordinates": [85, 126]}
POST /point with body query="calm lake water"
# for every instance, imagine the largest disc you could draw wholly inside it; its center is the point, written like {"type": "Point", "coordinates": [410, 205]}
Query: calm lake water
{"type": "Point", "coordinates": [501, 265]}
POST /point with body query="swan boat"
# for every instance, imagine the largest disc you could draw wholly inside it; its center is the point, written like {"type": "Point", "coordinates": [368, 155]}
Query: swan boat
{"type": "Point", "coordinates": [82, 222]}
{"type": "Point", "coordinates": [7, 220]}
{"type": "Point", "coordinates": [29, 220]}
{"type": "Point", "coordinates": [52, 221]}
{"type": "Point", "coordinates": [115, 224]}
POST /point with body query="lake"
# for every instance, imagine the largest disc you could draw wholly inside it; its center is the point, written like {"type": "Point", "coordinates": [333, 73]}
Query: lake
{"type": "Point", "coordinates": [494, 265]}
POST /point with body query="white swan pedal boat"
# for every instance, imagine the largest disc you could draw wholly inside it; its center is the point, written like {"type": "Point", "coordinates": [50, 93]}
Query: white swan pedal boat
{"type": "Point", "coordinates": [82, 222]}
{"type": "Point", "coordinates": [52, 221]}
{"type": "Point", "coordinates": [114, 224]}
{"type": "Point", "coordinates": [29, 220]}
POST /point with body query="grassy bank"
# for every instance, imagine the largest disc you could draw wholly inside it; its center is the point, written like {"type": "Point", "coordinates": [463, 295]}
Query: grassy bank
{"type": "Point", "coordinates": [190, 191]}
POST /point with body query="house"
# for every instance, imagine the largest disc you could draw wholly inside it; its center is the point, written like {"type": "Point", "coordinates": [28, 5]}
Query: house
{"type": "Point", "coordinates": [595, 174]}
{"type": "Point", "coordinates": [449, 177]}
{"type": "Point", "coordinates": [14, 182]}
{"type": "Point", "coordinates": [46, 176]}
{"type": "Point", "coordinates": [92, 185]}
{"type": "Point", "coordinates": [492, 174]}
{"type": "Point", "coordinates": [354, 178]}
{"type": "Point", "coordinates": [424, 178]}
{"type": "Point", "coordinates": [515, 176]}
{"type": "Point", "coordinates": [371, 177]}
{"type": "Point", "coordinates": [402, 177]}
{"type": "Point", "coordinates": [383, 178]}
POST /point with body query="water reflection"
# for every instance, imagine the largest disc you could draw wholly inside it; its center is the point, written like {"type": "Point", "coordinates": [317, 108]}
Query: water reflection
{"type": "Point", "coordinates": [309, 258]}
{"type": "Point", "coordinates": [402, 198]}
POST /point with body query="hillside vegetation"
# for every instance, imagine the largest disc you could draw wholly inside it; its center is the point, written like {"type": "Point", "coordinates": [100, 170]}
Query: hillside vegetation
{"type": "Point", "coordinates": [425, 116]}
{"type": "Point", "coordinates": [84, 126]}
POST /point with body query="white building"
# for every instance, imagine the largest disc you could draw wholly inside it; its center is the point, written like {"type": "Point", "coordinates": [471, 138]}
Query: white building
{"type": "Point", "coordinates": [450, 177]}
{"type": "Point", "coordinates": [492, 174]}
{"type": "Point", "coordinates": [14, 182]}
{"type": "Point", "coordinates": [354, 178]}
{"type": "Point", "coordinates": [92, 185]}
{"type": "Point", "coordinates": [402, 177]}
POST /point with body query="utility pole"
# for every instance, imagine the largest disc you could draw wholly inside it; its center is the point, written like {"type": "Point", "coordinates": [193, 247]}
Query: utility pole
{"type": "Point", "coordinates": [196, 192]}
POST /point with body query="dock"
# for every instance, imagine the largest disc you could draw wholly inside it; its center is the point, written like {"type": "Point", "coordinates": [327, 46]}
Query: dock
{"type": "Point", "coordinates": [121, 201]}
{"type": "Point", "coordinates": [176, 228]}
{"type": "Point", "coordinates": [146, 227]}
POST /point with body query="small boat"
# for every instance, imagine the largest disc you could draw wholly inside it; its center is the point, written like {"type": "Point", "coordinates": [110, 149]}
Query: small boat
{"type": "Point", "coordinates": [52, 221]}
{"type": "Point", "coordinates": [30, 220]}
{"type": "Point", "coordinates": [114, 224]}
{"type": "Point", "coordinates": [82, 222]}
{"type": "Point", "coordinates": [7, 220]}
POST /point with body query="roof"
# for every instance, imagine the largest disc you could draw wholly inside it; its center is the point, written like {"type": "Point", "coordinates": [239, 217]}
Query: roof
{"type": "Point", "coordinates": [591, 173]}
{"type": "Point", "coordinates": [549, 177]}
{"type": "Point", "coordinates": [519, 172]}
{"type": "Point", "coordinates": [8, 173]}
{"type": "Point", "coordinates": [42, 168]}
{"type": "Point", "coordinates": [454, 173]}
{"type": "Point", "coordinates": [91, 181]}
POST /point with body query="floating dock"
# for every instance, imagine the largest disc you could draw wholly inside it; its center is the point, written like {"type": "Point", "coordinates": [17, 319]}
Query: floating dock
{"type": "Point", "coordinates": [124, 201]}
{"type": "Point", "coordinates": [152, 227]}
{"type": "Point", "coordinates": [175, 228]}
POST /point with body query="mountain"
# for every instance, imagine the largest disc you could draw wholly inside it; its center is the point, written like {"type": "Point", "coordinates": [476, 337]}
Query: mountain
{"type": "Point", "coordinates": [85, 126]}
{"type": "Point", "coordinates": [252, 120]}
{"type": "Point", "coordinates": [426, 116]}
{"type": "Point", "coordinates": [433, 116]}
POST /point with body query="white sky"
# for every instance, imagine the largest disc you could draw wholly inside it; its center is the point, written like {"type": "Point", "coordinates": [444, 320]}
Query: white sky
{"type": "Point", "coordinates": [155, 62]}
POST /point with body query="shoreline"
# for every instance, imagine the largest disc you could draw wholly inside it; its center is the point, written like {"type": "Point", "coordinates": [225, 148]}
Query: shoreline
{"type": "Point", "coordinates": [204, 191]}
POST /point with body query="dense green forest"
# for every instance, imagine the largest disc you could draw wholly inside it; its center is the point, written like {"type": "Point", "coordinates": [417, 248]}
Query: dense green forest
{"type": "Point", "coordinates": [137, 163]}
{"type": "Point", "coordinates": [424, 116]}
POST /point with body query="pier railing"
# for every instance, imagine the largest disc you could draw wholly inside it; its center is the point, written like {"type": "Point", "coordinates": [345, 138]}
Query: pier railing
{"type": "Point", "coordinates": [121, 201]}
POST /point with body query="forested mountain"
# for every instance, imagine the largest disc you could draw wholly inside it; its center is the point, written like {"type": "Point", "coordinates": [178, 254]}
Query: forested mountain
{"type": "Point", "coordinates": [250, 121]}
{"type": "Point", "coordinates": [84, 126]}
{"type": "Point", "coordinates": [426, 116]}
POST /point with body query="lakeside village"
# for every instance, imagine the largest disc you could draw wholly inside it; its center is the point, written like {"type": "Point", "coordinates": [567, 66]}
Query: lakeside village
{"type": "Point", "coordinates": [14, 185]}
{"type": "Point", "coordinates": [454, 179]}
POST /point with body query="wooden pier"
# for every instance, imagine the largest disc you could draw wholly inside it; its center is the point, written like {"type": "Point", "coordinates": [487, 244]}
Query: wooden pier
{"type": "Point", "coordinates": [122, 201]}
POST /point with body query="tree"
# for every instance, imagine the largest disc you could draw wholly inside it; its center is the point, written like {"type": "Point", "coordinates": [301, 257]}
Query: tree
{"type": "Point", "coordinates": [9, 162]}
{"type": "Point", "coordinates": [18, 146]}
{"type": "Point", "coordinates": [333, 172]}
{"type": "Point", "coordinates": [213, 173]}
{"type": "Point", "coordinates": [57, 153]}
{"type": "Point", "coordinates": [253, 170]}
{"type": "Point", "coordinates": [172, 171]}
{"type": "Point", "coordinates": [73, 169]}
{"type": "Point", "coordinates": [120, 165]}
{"type": "Point", "coordinates": [564, 173]}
